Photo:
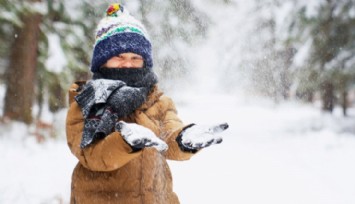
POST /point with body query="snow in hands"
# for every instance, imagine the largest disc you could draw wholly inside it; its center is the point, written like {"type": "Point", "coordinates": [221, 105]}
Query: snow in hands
{"type": "Point", "coordinates": [197, 136]}
{"type": "Point", "coordinates": [140, 137]}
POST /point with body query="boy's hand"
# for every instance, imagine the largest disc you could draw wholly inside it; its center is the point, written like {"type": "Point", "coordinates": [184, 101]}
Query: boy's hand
{"type": "Point", "coordinates": [197, 137]}
{"type": "Point", "coordinates": [140, 137]}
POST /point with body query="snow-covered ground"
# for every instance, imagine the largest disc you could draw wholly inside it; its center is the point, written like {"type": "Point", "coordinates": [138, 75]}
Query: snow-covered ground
{"type": "Point", "coordinates": [291, 153]}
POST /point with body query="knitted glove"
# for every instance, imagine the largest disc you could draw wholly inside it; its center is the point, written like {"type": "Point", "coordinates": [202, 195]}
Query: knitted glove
{"type": "Point", "coordinates": [140, 137]}
{"type": "Point", "coordinates": [195, 137]}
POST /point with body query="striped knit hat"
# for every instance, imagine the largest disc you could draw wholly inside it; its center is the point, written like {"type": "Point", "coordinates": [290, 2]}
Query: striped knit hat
{"type": "Point", "coordinates": [119, 32]}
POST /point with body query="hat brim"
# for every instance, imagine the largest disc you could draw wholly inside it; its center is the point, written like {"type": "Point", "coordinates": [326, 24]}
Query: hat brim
{"type": "Point", "coordinates": [121, 43]}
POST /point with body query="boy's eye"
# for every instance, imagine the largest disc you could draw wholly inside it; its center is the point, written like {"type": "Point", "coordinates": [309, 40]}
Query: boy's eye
{"type": "Point", "coordinates": [120, 57]}
{"type": "Point", "coordinates": [137, 58]}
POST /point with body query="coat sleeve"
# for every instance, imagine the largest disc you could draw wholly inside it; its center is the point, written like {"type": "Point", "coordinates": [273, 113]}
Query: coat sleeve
{"type": "Point", "coordinates": [171, 127]}
{"type": "Point", "coordinates": [106, 155]}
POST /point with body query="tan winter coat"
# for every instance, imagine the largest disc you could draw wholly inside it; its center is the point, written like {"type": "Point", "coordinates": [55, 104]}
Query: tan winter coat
{"type": "Point", "coordinates": [109, 172]}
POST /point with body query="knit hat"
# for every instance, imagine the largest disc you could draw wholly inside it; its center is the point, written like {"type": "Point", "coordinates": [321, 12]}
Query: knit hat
{"type": "Point", "coordinates": [119, 32]}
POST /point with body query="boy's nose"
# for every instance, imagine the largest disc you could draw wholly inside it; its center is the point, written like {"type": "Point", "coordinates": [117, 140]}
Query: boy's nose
{"type": "Point", "coordinates": [126, 64]}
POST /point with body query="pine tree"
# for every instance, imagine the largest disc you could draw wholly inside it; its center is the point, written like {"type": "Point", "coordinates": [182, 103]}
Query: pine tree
{"type": "Point", "coordinates": [329, 34]}
{"type": "Point", "coordinates": [60, 26]}
{"type": "Point", "coordinates": [21, 71]}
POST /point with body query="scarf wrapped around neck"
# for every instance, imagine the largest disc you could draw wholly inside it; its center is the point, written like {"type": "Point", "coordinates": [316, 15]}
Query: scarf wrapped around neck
{"type": "Point", "coordinates": [110, 95]}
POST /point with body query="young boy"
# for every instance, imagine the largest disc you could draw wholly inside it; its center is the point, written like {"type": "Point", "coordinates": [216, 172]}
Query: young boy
{"type": "Point", "coordinates": [115, 118]}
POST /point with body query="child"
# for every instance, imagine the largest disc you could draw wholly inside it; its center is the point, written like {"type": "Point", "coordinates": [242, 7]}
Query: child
{"type": "Point", "coordinates": [116, 118]}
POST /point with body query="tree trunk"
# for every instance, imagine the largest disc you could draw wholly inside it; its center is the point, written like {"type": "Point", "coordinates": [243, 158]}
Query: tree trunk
{"type": "Point", "coordinates": [344, 102]}
{"type": "Point", "coordinates": [328, 96]}
{"type": "Point", "coordinates": [21, 73]}
{"type": "Point", "coordinates": [309, 96]}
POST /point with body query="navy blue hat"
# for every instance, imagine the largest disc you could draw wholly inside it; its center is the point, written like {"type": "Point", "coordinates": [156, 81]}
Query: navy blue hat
{"type": "Point", "coordinates": [117, 33]}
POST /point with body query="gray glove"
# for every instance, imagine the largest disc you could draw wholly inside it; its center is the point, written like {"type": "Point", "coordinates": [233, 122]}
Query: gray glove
{"type": "Point", "coordinates": [140, 137]}
{"type": "Point", "coordinates": [195, 137]}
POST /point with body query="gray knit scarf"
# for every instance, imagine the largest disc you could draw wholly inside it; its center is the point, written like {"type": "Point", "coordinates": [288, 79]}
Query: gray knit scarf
{"type": "Point", "coordinates": [112, 94]}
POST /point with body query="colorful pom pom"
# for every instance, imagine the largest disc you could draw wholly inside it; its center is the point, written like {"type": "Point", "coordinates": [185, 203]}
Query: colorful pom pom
{"type": "Point", "coordinates": [113, 8]}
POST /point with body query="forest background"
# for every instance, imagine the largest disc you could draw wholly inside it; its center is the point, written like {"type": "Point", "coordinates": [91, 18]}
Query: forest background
{"type": "Point", "coordinates": [284, 50]}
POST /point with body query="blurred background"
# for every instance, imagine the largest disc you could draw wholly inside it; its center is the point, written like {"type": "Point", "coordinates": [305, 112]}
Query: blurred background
{"type": "Point", "coordinates": [284, 50]}
{"type": "Point", "coordinates": [281, 51]}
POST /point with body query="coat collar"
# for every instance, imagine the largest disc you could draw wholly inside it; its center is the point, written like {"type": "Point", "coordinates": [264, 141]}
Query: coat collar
{"type": "Point", "coordinates": [153, 97]}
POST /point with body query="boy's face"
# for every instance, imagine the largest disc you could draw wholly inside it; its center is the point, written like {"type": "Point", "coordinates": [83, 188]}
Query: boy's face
{"type": "Point", "coordinates": [125, 60]}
